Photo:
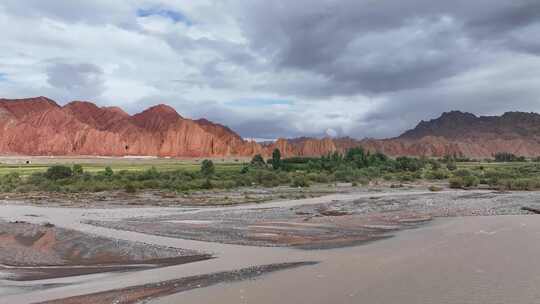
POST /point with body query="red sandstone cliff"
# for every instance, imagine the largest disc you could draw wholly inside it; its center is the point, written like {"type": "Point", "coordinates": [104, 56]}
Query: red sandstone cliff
{"type": "Point", "coordinates": [453, 133]}
{"type": "Point", "coordinates": [39, 126]}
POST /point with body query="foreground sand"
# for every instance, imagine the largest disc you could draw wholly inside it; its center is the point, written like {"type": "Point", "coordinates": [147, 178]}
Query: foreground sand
{"type": "Point", "coordinates": [254, 239]}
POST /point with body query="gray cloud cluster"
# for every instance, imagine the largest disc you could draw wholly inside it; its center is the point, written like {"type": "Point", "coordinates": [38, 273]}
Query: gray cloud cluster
{"type": "Point", "coordinates": [352, 67]}
{"type": "Point", "coordinates": [373, 47]}
{"type": "Point", "coordinates": [80, 81]}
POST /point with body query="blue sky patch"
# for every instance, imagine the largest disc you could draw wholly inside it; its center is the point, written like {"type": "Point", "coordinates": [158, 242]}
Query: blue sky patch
{"type": "Point", "coordinates": [175, 16]}
{"type": "Point", "coordinates": [257, 102]}
{"type": "Point", "coordinates": [3, 77]}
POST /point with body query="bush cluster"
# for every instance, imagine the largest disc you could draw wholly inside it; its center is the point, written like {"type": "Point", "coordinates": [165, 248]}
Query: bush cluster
{"type": "Point", "coordinates": [356, 166]}
{"type": "Point", "coordinates": [508, 157]}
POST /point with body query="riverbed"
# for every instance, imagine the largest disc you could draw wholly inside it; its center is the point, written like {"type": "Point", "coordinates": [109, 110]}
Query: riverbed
{"type": "Point", "coordinates": [460, 256]}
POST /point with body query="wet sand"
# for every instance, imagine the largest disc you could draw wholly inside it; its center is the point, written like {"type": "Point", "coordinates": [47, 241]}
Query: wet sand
{"type": "Point", "coordinates": [30, 252]}
{"type": "Point", "coordinates": [138, 294]}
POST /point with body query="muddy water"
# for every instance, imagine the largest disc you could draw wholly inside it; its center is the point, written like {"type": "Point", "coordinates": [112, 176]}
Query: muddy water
{"type": "Point", "coordinates": [459, 260]}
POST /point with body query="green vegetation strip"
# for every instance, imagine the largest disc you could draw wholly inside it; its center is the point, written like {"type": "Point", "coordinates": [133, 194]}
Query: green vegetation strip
{"type": "Point", "coordinates": [355, 166]}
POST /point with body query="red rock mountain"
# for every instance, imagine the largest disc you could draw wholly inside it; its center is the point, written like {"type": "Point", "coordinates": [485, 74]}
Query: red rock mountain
{"type": "Point", "coordinates": [465, 134]}
{"type": "Point", "coordinates": [39, 126]}
{"type": "Point", "coordinates": [453, 133]}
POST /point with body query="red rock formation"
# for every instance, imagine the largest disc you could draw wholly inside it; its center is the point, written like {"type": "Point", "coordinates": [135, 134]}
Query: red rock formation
{"type": "Point", "coordinates": [464, 134]}
{"type": "Point", "coordinates": [39, 126]}
{"type": "Point", "coordinates": [90, 114]}
{"type": "Point", "coordinates": [21, 107]}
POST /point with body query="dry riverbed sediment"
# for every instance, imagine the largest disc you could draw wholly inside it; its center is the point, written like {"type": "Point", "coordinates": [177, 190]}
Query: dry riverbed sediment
{"type": "Point", "coordinates": [245, 240]}
{"type": "Point", "coordinates": [32, 252]}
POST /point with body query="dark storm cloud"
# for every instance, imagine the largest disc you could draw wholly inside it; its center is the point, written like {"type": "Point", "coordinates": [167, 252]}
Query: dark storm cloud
{"type": "Point", "coordinates": [80, 81]}
{"type": "Point", "coordinates": [226, 54]}
{"type": "Point", "coordinates": [373, 47]}
{"type": "Point", "coordinates": [505, 16]}
{"type": "Point", "coordinates": [352, 67]}
{"type": "Point", "coordinates": [403, 110]}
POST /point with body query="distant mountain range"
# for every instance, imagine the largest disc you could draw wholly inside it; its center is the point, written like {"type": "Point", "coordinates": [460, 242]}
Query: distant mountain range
{"type": "Point", "coordinates": [39, 126]}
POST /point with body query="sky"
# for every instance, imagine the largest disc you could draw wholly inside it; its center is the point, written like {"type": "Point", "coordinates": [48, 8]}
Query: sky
{"type": "Point", "coordinates": [281, 68]}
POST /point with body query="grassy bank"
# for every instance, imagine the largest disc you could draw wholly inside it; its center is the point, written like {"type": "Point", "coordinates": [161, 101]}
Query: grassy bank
{"type": "Point", "coordinates": [356, 166]}
{"type": "Point", "coordinates": [192, 166]}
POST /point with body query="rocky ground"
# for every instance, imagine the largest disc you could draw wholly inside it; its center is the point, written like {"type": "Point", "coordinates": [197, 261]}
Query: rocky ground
{"type": "Point", "coordinates": [327, 224]}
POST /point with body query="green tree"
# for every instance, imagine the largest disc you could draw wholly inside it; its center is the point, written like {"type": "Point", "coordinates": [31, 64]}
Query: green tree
{"type": "Point", "coordinates": [108, 171]}
{"type": "Point", "coordinates": [357, 156]}
{"type": "Point", "coordinates": [207, 168]}
{"type": "Point", "coordinates": [508, 157]}
{"type": "Point", "coordinates": [276, 159]}
{"type": "Point", "coordinates": [58, 172]}
{"type": "Point", "coordinates": [258, 161]}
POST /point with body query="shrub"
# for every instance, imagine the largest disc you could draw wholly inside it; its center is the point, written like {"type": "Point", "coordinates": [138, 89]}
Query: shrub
{"type": "Point", "coordinates": [11, 178]}
{"type": "Point", "coordinates": [37, 178]}
{"type": "Point", "coordinates": [149, 174]}
{"type": "Point", "coordinates": [267, 178]}
{"type": "Point", "coordinates": [318, 177]}
{"type": "Point", "coordinates": [470, 181]}
{"type": "Point", "coordinates": [435, 165]}
{"type": "Point", "coordinates": [300, 181]}
{"type": "Point", "coordinates": [58, 172]}
{"type": "Point", "coordinates": [462, 173]}
{"type": "Point", "coordinates": [207, 184]}
{"type": "Point", "coordinates": [151, 184]}
{"type": "Point", "coordinates": [130, 188]}
{"type": "Point", "coordinates": [370, 172]}
{"type": "Point", "coordinates": [346, 175]}
{"type": "Point", "coordinates": [108, 172]}
{"type": "Point", "coordinates": [207, 168]}
{"type": "Point", "coordinates": [258, 162]}
{"type": "Point", "coordinates": [451, 166]}
{"type": "Point", "coordinates": [436, 174]}
{"type": "Point", "coordinates": [77, 170]}
{"type": "Point", "coordinates": [434, 188]}
{"type": "Point", "coordinates": [528, 184]}
{"type": "Point", "coordinates": [456, 182]}
{"type": "Point", "coordinates": [463, 182]}
{"type": "Point", "coordinates": [405, 177]}
{"type": "Point", "coordinates": [409, 164]}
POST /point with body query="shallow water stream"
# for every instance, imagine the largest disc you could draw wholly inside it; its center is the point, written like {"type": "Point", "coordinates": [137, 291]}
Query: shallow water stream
{"type": "Point", "coordinates": [458, 260]}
